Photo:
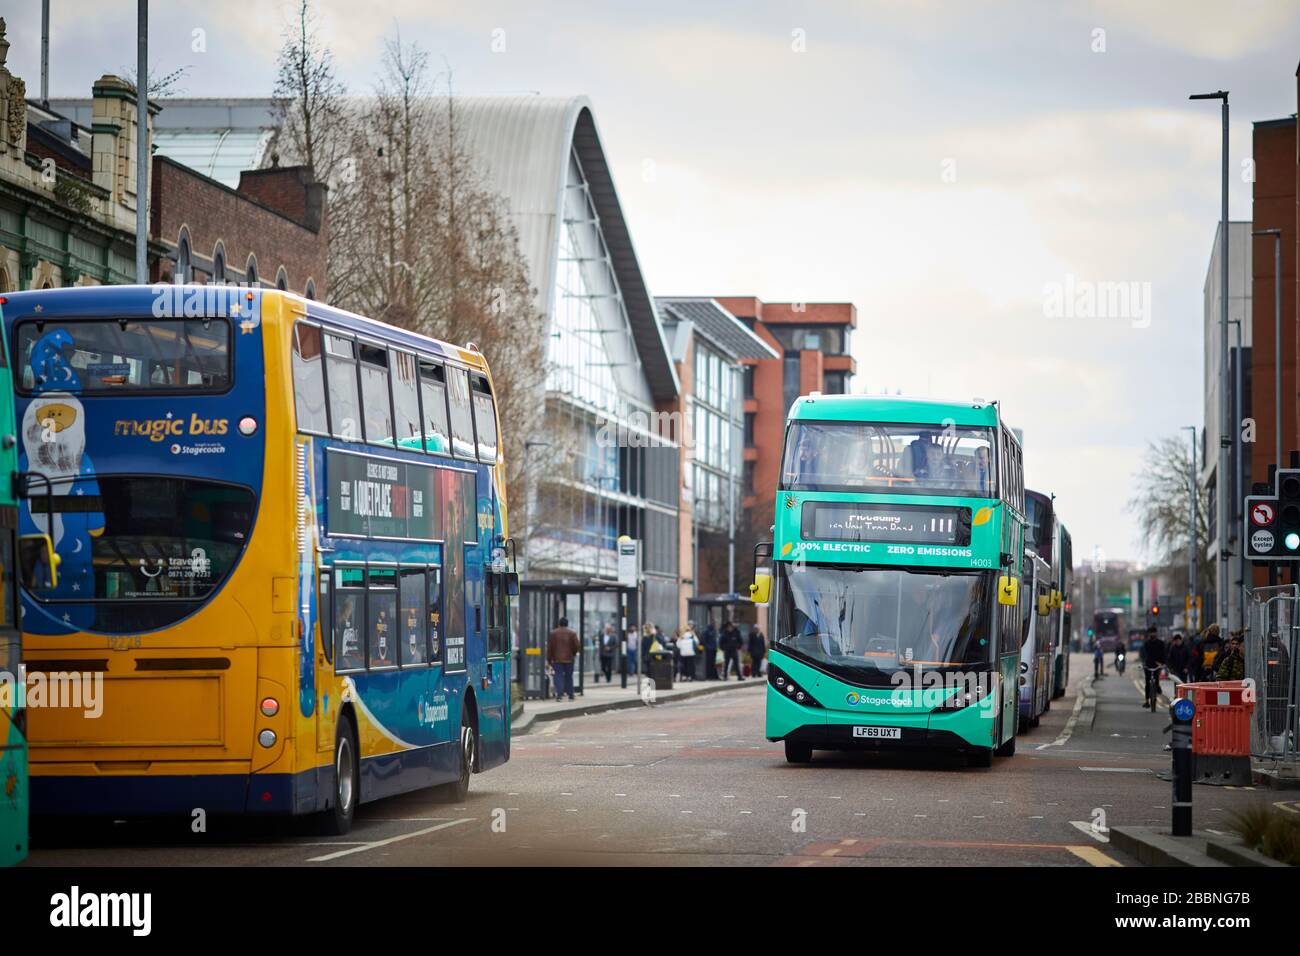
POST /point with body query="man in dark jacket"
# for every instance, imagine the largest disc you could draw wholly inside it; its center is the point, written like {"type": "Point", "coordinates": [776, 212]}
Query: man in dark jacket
{"type": "Point", "coordinates": [1153, 659]}
{"type": "Point", "coordinates": [710, 652]}
{"type": "Point", "coordinates": [561, 652]}
{"type": "Point", "coordinates": [757, 651]}
{"type": "Point", "coordinates": [1180, 658]}
{"type": "Point", "coordinates": [731, 644]}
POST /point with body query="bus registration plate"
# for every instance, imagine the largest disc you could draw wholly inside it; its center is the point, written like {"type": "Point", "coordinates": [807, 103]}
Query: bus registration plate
{"type": "Point", "coordinates": [878, 733]}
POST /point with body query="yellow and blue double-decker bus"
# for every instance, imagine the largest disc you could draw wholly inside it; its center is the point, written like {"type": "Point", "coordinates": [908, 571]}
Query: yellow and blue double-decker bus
{"type": "Point", "coordinates": [894, 590]}
{"type": "Point", "coordinates": [282, 540]}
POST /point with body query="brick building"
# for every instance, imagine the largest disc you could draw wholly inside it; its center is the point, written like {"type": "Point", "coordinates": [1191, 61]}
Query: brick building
{"type": "Point", "coordinates": [213, 216]}
{"type": "Point", "coordinates": [814, 342]}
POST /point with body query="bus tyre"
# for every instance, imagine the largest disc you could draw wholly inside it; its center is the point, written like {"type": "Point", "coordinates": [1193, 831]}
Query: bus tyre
{"type": "Point", "coordinates": [1008, 749]}
{"type": "Point", "coordinates": [347, 780]}
{"type": "Point", "coordinates": [797, 752]}
{"type": "Point", "coordinates": [458, 789]}
{"type": "Point", "coordinates": [1022, 725]}
{"type": "Point", "coordinates": [1038, 719]}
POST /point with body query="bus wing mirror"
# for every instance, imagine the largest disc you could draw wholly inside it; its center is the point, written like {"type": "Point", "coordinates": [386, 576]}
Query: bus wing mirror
{"type": "Point", "coordinates": [1008, 590]}
{"type": "Point", "coordinates": [1056, 598]}
{"type": "Point", "coordinates": [39, 562]}
{"type": "Point", "coordinates": [512, 584]}
{"type": "Point", "coordinates": [761, 590]}
{"type": "Point", "coordinates": [1044, 605]}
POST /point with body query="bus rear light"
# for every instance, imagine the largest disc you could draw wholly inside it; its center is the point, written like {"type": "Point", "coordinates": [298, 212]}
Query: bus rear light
{"type": "Point", "coordinates": [267, 738]}
{"type": "Point", "coordinates": [247, 425]}
{"type": "Point", "coordinates": [270, 707]}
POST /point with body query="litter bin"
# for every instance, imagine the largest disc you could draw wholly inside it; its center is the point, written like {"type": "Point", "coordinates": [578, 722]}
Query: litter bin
{"type": "Point", "coordinates": [659, 668]}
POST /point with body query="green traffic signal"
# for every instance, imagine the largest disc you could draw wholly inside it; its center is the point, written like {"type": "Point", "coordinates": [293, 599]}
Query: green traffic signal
{"type": "Point", "coordinates": [1292, 541]}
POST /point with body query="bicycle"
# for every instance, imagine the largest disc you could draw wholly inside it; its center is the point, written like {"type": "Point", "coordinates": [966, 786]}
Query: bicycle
{"type": "Point", "coordinates": [1152, 686]}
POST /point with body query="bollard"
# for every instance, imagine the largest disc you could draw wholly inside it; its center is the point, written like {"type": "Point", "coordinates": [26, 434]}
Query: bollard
{"type": "Point", "coordinates": [1181, 711]}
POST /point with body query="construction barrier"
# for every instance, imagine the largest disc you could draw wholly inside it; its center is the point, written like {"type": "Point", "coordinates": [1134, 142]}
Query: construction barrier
{"type": "Point", "coordinates": [1221, 730]}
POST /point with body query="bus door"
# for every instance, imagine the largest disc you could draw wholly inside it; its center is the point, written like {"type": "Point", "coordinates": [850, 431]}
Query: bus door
{"type": "Point", "coordinates": [494, 685]}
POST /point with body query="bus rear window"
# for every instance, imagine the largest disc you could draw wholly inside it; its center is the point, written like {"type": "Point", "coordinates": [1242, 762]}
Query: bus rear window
{"type": "Point", "coordinates": [114, 356]}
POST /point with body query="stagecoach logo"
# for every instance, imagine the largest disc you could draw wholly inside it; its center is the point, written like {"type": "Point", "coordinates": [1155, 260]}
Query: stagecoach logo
{"type": "Point", "coordinates": [428, 714]}
{"type": "Point", "coordinates": [853, 698]}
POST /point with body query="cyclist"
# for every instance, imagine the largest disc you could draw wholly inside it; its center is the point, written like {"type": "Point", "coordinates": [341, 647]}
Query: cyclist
{"type": "Point", "coordinates": [1153, 660]}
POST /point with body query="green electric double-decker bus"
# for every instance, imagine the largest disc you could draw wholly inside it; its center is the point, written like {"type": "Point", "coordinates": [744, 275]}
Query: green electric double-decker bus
{"type": "Point", "coordinates": [38, 550]}
{"type": "Point", "coordinates": [894, 586]}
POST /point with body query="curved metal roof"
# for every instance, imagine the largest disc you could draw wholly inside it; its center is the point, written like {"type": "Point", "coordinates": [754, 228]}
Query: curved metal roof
{"type": "Point", "coordinates": [523, 145]}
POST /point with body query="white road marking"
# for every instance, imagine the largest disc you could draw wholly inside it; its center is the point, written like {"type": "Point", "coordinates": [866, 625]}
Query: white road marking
{"type": "Point", "coordinates": [391, 840]}
{"type": "Point", "coordinates": [1117, 769]}
{"type": "Point", "coordinates": [1068, 729]}
{"type": "Point", "coordinates": [1084, 826]}
{"type": "Point", "coordinates": [550, 729]}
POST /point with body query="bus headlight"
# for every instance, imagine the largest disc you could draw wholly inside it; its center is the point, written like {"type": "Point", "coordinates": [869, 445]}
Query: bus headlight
{"type": "Point", "coordinates": [270, 706]}
{"type": "Point", "coordinates": [782, 682]}
{"type": "Point", "coordinates": [248, 425]}
{"type": "Point", "coordinates": [266, 738]}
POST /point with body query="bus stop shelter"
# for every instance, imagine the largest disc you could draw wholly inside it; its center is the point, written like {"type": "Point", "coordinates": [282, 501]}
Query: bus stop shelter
{"type": "Point", "coordinates": [588, 603]}
{"type": "Point", "coordinates": [717, 609]}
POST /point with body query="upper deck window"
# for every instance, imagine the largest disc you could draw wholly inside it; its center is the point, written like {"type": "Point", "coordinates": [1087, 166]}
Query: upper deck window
{"type": "Point", "coordinates": [889, 458]}
{"type": "Point", "coordinates": [485, 419]}
{"type": "Point", "coordinates": [462, 427]}
{"type": "Point", "coordinates": [118, 356]}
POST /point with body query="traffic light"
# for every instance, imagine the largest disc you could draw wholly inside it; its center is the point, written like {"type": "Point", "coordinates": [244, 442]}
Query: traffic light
{"type": "Point", "coordinates": [1273, 521]}
{"type": "Point", "coordinates": [1155, 610]}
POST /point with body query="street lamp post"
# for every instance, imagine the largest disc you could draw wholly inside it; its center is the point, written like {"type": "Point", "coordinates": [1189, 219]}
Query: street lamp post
{"type": "Point", "coordinates": [142, 143]}
{"type": "Point", "coordinates": [1238, 491]}
{"type": "Point", "coordinates": [1191, 529]}
{"type": "Point", "coordinates": [1221, 589]}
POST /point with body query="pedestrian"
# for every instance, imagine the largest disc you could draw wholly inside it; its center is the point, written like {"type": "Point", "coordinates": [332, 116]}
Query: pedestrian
{"type": "Point", "coordinates": [561, 651]}
{"type": "Point", "coordinates": [730, 643]}
{"type": "Point", "coordinates": [1179, 658]}
{"type": "Point", "coordinates": [1206, 655]}
{"type": "Point", "coordinates": [632, 649]}
{"type": "Point", "coordinates": [1231, 664]}
{"type": "Point", "coordinates": [687, 648]}
{"type": "Point", "coordinates": [1098, 661]}
{"type": "Point", "coordinates": [710, 652]}
{"type": "Point", "coordinates": [757, 651]}
{"type": "Point", "coordinates": [607, 648]}
{"type": "Point", "coordinates": [647, 640]}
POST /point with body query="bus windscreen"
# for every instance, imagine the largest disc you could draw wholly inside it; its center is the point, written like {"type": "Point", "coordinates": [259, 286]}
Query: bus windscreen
{"type": "Point", "coordinates": [889, 458]}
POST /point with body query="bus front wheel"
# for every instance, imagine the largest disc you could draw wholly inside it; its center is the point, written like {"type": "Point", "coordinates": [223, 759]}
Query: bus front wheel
{"type": "Point", "coordinates": [796, 752]}
{"type": "Point", "coordinates": [347, 780]}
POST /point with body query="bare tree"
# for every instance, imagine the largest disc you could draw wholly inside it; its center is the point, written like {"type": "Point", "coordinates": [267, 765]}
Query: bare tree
{"type": "Point", "coordinates": [309, 99]}
{"type": "Point", "coordinates": [1161, 503]}
{"type": "Point", "coordinates": [419, 240]}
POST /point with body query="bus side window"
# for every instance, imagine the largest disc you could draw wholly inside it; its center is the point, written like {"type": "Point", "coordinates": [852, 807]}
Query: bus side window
{"type": "Point", "coordinates": [412, 645]}
{"type": "Point", "coordinates": [376, 410]}
{"type": "Point", "coordinates": [496, 612]}
{"type": "Point", "coordinates": [309, 380]}
{"type": "Point", "coordinates": [341, 387]}
{"type": "Point", "coordinates": [325, 615]}
{"type": "Point", "coordinates": [381, 632]}
{"type": "Point", "coordinates": [406, 401]}
{"type": "Point", "coordinates": [349, 617]}
{"type": "Point", "coordinates": [433, 398]}
{"type": "Point", "coordinates": [485, 420]}
{"type": "Point", "coordinates": [462, 427]}
{"type": "Point", "coordinates": [435, 615]}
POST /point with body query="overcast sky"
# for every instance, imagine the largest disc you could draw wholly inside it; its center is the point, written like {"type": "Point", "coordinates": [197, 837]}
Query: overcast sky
{"type": "Point", "coordinates": [946, 166]}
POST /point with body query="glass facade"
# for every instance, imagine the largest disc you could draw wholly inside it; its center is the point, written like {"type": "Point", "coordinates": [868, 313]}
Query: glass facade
{"type": "Point", "coordinates": [607, 471]}
{"type": "Point", "coordinates": [718, 433]}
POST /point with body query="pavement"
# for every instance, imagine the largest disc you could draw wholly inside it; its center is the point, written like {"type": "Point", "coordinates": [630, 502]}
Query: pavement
{"type": "Point", "coordinates": [692, 781]}
{"type": "Point", "coordinates": [597, 698]}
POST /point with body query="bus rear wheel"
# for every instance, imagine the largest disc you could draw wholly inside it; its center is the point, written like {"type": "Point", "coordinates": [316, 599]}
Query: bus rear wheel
{"type": "Point", "coordinates": [458, 789]}
{"type": "Point", "coordinates": [797, 752]}
{"type": "Point", "coordinates": [337, 820]}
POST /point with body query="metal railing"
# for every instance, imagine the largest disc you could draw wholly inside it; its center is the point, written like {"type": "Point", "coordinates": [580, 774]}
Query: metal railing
{"type": "Point", "coordinates": [1271, 640]}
